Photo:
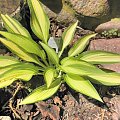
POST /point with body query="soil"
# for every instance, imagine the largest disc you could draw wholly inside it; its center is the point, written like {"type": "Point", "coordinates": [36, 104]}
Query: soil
{"type": "Point", "coordinates": [66, 104]}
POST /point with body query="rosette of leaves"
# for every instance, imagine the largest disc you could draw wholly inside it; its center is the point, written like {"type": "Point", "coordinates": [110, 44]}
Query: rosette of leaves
{"type": "Point", "coordinates": [77, 68]}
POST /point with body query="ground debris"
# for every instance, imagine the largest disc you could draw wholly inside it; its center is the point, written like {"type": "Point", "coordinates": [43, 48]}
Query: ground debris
{"type": "Point", "coordinates": [51, 111]}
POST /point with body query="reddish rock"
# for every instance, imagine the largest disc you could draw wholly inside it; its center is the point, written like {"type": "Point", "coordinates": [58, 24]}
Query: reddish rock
{"type": "Point", "coordinates": [112, 24]}
{"type": "Point", "coordinates": [47, 110]}
{"type": "Point", "coordinates": [111, 45]}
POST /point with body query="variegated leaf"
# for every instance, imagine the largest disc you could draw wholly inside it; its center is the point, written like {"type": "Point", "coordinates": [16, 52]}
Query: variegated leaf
{"type": "Point", "coordinates": [42, 93]}
{"type": "Point", "coordinates": [25, 43]}
{"type": "Point", "coordinates": [7, 60]}
{"type": "Point", "coordinates": [20, 52]}
{"type": "Point", "coordinates": [53, 57]}
{"type": "Point", "coordinates": [49, 75]}
{"type": "Point", "coordinates": [22, 71]}
{"type": "Point", "coordinates": [14, 26]}
{"type": "Point", "coordinates": [82, 85]}
{"type": "Point", "coordinates": [67, 36]}
{"type": "Point", "coordinates": [79, 67]}
{"type": "Point", "coordinates": [39, 20]}
{"type": "Point", "coordinates": [100, 57]}
{"type": "Point", "coordinates": [80, 45]}
{"type": "Point", "coordinates": [108, 79]}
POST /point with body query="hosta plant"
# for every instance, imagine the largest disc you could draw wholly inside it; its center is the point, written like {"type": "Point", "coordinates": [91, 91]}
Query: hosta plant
{"type": "Point", "coordinates": [77, 68]}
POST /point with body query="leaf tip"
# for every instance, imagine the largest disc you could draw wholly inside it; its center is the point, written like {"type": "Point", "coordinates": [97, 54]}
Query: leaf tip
{"type": "Point", "coordinates": [48, 86]}
{"type": "Point", "coordinates": [23, 102]}
{"type": "Point", "coordinates": [100, 100]}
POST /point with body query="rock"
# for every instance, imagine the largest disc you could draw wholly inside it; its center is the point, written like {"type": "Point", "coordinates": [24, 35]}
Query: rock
{"type": "Point", "coordinates": [9, 6]}
{"type": "Point", "coordinates": [49, 111]}
{"type": "Point", "coordinates": [93, 12]}
{"type": "Point", "coordinates": [92, 8]}
{"type": "Point", "coordinates": [114, 106]}
{"type": "Point", "coordinates": [110, 45]}
{"type": "Point", "coordinates": [112, 24]}
{"type": "Point", "coordinates": [59, 10]}
{"type": "Point", "coordinates": [68, 11]}
{"type": "Point", "coordinates": [84, 109]}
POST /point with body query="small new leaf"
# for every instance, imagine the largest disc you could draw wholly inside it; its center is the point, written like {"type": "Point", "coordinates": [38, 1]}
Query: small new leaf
{"type": "Point", "coordinates": [82, 85]}
{"type": "Point", "coordinates": [49, 75]}
{"type": "Point", "coordinates": [67, 36]}
{"type": "Point", "coordinates": [53, 57]}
